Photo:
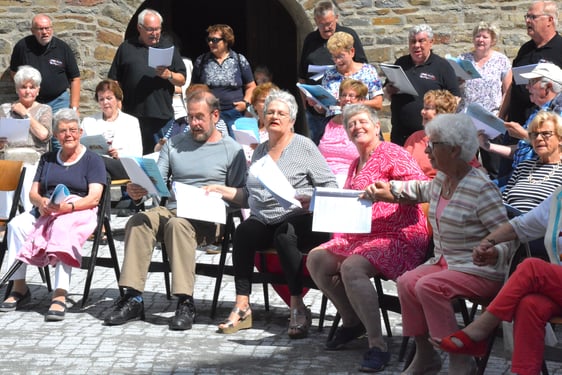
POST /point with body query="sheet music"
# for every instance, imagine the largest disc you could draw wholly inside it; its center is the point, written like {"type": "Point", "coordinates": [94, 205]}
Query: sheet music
{"type": "Point", "coordinates": [145, 172]}
{"type": "Point", "coordinates": [160, 56]}
{"type": "Point", "coordinates": [340, 211]}
{"type": "Point", "coordinates": [398, 78]}
{"type": "Point", "coordinates": [15, 130]}
{"type": "Point", "coordinates": [485, 120]}
{"type": "Point", "coordinates": [271, 177]}
{"type": "Point", "coordinates": [196, 203]}
{"type": "Point", "coordinates": [96, 143]}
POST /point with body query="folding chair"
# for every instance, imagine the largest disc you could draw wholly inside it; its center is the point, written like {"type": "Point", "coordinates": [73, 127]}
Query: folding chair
{"type": "Point", "coordinates": [13, 175]}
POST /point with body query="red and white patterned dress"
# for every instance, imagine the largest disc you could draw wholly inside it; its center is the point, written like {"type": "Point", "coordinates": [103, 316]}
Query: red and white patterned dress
{"type": "Point", "coordinates": [399, 235]}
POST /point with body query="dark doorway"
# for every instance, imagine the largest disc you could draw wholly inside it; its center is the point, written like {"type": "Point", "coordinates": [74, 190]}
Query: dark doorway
{"type": "Point", "coordinates": [265, 33]}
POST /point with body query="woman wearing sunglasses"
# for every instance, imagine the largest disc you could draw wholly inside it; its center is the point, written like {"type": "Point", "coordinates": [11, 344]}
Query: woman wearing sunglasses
{"type": "Point", "coordinates": [226, 72]}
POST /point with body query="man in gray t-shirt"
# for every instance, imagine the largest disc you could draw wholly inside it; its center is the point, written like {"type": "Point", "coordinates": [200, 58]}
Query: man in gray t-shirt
{"type": "Point", "coordinates": [199, 157]}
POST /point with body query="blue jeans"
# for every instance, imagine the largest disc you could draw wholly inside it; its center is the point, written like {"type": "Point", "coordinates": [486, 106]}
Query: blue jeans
{"type": "Point", "coordinates": [229, 116]}
{"type": "Point", "coordinates": [60, 102]}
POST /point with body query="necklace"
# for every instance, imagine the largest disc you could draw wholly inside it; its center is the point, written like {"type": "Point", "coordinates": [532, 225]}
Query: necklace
{"type": "Point", "coordinates": [532, 181]}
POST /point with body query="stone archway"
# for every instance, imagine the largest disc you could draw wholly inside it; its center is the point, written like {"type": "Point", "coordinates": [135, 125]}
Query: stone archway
{"type": "Point", "coordinates": [268, 33]}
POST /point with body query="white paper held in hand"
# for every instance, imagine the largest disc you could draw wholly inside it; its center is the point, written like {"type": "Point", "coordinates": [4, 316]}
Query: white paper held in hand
{"type": "Point", "coordinates": [340, 211]}
{"type": "Point", "coordinates": [271, 177]}
{"type": "Point", "coordinates": [196, 203]}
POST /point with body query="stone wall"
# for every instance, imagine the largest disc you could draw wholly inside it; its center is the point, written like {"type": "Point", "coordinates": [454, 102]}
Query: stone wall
{"type": "Point", "coordinates": [94, 28]}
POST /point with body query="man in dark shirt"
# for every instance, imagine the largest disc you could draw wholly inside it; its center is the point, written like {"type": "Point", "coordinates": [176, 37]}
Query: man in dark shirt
{"type": "Point", "coordinates": [314, 52]}
{"type": "Point", "coordinates": [426, 71]}
{"type": "Point", "coordinates": [147, 91]}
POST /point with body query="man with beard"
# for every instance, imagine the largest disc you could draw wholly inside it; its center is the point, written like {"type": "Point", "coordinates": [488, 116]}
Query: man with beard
{"type": "Point", "coordinates": [147, 91]}
{"type": "Point", "coordinates": [200, 157]}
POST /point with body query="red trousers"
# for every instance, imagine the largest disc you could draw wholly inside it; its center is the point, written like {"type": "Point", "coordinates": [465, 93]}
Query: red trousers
{"type": "Point", "coordinates": [531, 296]}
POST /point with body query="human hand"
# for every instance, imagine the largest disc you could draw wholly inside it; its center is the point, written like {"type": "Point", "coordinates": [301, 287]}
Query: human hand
{"type": "Point", "coordinates": [19, 109]}
{"type": "Point", "coordinates": [113, 152]}
{"type": "Point", "coordinates": [515, 130]}
{"type": "Point", "coordinates": [163, 72]}
{"type": "Point", "coordinates": [378, 191]}
{"type": "Point", "coordinates": [483, 140]}
{"type": "Point", "coordinates": [3, 142]}
{"type": "Point", "coordinates": [136, 192]}
{"type": "Point", "coordinates": [485, 254]}
{"type": "Point", "coordinates": [240, 106]}
{"type": "Point", "coordinates": [390, 89]}
{"type": "Point", "coordinates": [304, 199]}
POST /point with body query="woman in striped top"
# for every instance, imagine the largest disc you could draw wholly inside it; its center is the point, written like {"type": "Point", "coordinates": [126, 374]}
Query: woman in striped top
{"type": "Point", "coordinates": [535, 179]}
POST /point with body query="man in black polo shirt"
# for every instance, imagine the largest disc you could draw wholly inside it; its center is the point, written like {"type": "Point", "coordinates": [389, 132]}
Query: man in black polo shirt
{"type": "Point", "coordinates": [314, 52]}
{"type": "Point", "coordinates": [147, 91]}
{"type": "Point", "coordinates": [54, 59]}
{"type": "Point", "coordinates": [427, 71]}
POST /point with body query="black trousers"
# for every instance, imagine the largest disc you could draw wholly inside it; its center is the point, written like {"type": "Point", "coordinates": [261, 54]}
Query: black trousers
{"type": "Point", "coordinates": [291, 238]}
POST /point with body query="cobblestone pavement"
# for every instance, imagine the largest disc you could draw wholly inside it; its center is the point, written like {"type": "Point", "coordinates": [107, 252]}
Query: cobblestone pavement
{"type": "Point", "coordinates": [82, 344]}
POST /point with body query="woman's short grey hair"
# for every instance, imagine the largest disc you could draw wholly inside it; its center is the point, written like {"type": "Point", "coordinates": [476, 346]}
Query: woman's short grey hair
{"type": "Point", "coordinates": [351, 110]}
{"type": "Point", "coordinates": [65, 115]}
{"type": "Point", "coordinates": [140, 19]}
{"type": "Point", "coordinates": [490, 28]}
{"type": "Point", "coordinates": [456, 130]}
{"type": "Point", "coordinates": [27, 73]}
{"type": "Point", "coordinates": [285, 97]}
{"type": "Point", "coordinates": [555, 86]}
{"type": "Point", "coordinates": [423, 28]}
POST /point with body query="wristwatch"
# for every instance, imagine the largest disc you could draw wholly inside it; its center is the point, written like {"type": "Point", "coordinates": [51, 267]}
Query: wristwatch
{"type": "Point", "coordinates": [247, 104]}
{"type": "Point", "coordinates": [171, 76]}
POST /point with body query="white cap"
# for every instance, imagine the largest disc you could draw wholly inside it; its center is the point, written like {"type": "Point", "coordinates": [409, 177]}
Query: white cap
{"type": "Point", "coordinates": [546, 70]}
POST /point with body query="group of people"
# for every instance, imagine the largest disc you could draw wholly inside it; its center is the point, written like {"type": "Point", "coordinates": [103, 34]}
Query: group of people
{"type": "Point", "coordinates": [473, 240]}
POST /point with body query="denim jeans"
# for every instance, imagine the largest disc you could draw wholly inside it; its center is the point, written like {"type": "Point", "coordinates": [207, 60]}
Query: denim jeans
{"type": "Point", "coordinates": [60, 102]}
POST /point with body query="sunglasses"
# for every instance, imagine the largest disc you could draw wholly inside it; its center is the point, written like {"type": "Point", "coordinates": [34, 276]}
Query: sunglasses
{"type": "Point", "coordinates": [214, 40]}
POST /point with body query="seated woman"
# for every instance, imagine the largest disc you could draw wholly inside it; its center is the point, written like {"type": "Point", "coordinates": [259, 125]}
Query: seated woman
{"type": "Point", "coordinates": [535, 179]}
{"type": "Point", "coordinates": [120, 130]}
{"type": "Point", "coordinates": [343, 267]}
{"type": "Point", "coordinates": [434, 102]}
{"type": "Point", "coordinates": [41, 236]}
{"type": "Point", "coordinates": [27, 81]}
{"type": "Point", "coordinates": [464, 207]}
{"type": "Point", "coordinates": [335, 145]}
{"type": "Point", "coordinates": [289, 230]}
{"type": "Point", "coordinates": [529, 298]}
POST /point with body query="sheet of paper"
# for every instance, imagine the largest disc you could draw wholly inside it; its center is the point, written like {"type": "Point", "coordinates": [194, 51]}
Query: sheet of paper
{"type": "Point", "coordinates": [319, 70]}
{"type": "Point", "coordinates": [271, 177]}
{"type": "Point", "coordinates": [195, 203]}
{"type": "Point", "coordinates": [398, 78]}
{"type": "Point", "coordinates": [246, 131]}
{"type": "Point", "coordinates": [59, 194]}
{"type": "Point", "coordinates": [485, 120]}
{"type": "Point", "coordinates": [319, 95]}
{"type": "Point", "coordinates": [15, 130]}
{"type": "Point", "coordinates": [160, 56]}
{"type": "Point", "coordinates": [340, 211]}
{"type": "Point", "coordinates": [518, 70]}
{"type": "Point", "coordinates": [145, 172]}
{"type": "Point", "coordinates": [95, 143]}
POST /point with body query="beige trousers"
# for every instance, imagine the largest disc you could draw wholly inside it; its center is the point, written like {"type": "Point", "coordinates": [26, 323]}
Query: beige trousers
{"type": "Point", "coordinates": [180, 237]}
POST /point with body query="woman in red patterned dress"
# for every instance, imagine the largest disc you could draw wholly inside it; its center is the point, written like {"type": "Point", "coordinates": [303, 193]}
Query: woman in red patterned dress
{"type": "Point", "coordinates": [343, 267]}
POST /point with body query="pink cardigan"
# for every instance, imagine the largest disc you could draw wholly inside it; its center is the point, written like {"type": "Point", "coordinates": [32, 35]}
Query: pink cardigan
{"type": "Point", "coordinates": [59, 238]}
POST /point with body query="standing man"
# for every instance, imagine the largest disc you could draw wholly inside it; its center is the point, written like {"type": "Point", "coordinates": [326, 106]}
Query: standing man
{"type": "Point", "coordinates": [427, 71]}
{"type": "Point", "coordinates": [545, 45]}
{"type": "Point", "coordinates": [314, 52]}
{"type": "Point", "coordinates": [200, 157]}
{"type": "Point", "coordinates": [54, 59]}
{"type": "Point", "coordinates": [147, 91]}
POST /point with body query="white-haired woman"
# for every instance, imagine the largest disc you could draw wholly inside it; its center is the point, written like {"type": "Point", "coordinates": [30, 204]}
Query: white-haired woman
{"type": "Point", "coordinates": [464, 207]}
{"type": "Point", "coordinates": [27, 81]}
{"type": "Point", "coordinates": [289, 230]}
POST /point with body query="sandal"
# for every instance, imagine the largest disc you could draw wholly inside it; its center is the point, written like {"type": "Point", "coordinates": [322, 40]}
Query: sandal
{"type": "Point", "coordinates": [56, 315]}
{"type": "Point", "coordinates": [244, 321]}
{"type": "Point", "coordinates": [296, 330]}
{"type": "Point", "coordinates": [19, 300]}
{"type": "Point", "coordinates": [469, 346]}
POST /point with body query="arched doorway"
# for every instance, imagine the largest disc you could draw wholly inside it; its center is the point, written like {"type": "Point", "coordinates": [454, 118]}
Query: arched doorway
{"type": "Point", "coordinates": [266, 33]}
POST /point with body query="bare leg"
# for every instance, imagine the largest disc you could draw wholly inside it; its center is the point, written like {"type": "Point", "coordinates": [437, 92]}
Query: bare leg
{"type": "Point", "coordinates": [426, 360]}
{"type": "Point", "coordinates": [242, 304]}
{"type": "Point", "coordinates": [20, 286]}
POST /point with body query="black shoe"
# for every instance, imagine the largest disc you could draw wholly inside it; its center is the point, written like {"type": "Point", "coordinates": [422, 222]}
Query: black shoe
{"type": "Point", "coordinates": [20, 300]}
{"type": "Point", "coordinates": [126, 309]}
{"type": "Point", "coordinates": [55, 315]}
{"type": "Point", "coordinates": [185, 316]}
{"type": "Point", "coordinates": [344, 335]}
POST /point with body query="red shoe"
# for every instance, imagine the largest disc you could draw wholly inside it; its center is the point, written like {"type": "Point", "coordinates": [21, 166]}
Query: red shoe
{"type": "Point", "coordinates": [469, 347]}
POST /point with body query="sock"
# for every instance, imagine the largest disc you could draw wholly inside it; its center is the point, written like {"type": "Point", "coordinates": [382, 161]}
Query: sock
{"type": "Point", "coordinates": [184, 297]}
{"type": "Point", "coordinates": [134, 294]}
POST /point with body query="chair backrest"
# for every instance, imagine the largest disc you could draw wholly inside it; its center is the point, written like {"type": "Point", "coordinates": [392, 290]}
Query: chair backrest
{"type": "Point", "coordinates": [11, 172]}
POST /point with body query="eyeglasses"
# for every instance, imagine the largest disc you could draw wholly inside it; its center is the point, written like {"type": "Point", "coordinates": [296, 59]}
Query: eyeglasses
{"type": "Point", "coordinates": [72, 131]}
{"type": "Point", "coordinates": [429, 108]}
{"type": "Point", "coordinates": [198, 117]}
{"type": "Point", "coordinates": [420, 41]}
{"type": "Point", "coordinates": [46, 28]}
{"type": "Point", "coordinates": [545, 135]}
{"type": "Point", "coordinates": [348, 96]}
{"type": "Point", "coordinates": [214, 40]}
{"type": "Point", "coordinates": [281, 115]}
{"type": "Point", "coordinates": [532, 81]}
{"type": "Point", "coordinates": [533, 17]}
{"type": "Point", "coordinates": [431, 144]}
{"type": "Point", "coordinates": [326, 25]}
{"type": "Point", "coordinates": [150, 29]}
